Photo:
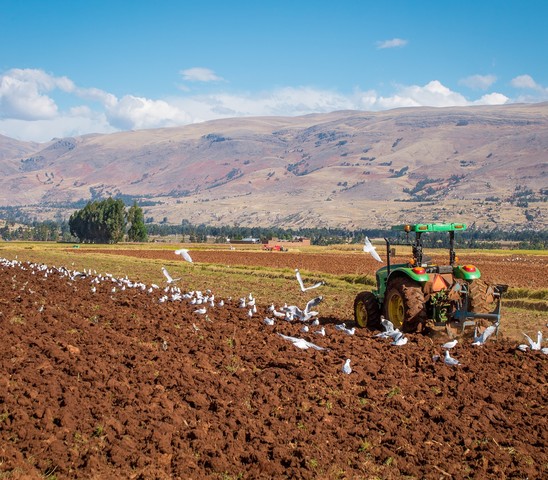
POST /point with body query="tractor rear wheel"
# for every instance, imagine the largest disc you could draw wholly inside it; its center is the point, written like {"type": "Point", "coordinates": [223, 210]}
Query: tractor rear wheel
{"type": "Point", "coordinates": [366, 310]}
{"type": "Point", "coordinates": [404, 304]}
{"type": "Point", "coordinates": [481, 297]}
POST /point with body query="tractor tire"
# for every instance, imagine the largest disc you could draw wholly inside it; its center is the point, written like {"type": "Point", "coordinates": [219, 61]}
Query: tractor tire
{"type": "Point", "coordinates": [404, 304]}
{"type": "Point", "coordinates": [366, 311]}
{"type": "Point", "coordinates": [480, 297]}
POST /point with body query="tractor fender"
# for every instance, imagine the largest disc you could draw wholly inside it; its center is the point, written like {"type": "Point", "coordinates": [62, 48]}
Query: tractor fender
{"type": "Point", "coordinates": [406, 272]}
{"type": "Point", "coordinates": [466, 272]}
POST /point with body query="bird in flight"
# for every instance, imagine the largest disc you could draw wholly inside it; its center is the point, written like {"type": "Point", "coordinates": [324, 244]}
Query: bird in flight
{"type": "Point", "coordinates": [169, 279]}
{"type": "Point", "coordinates": [369, 248]}
{"type": "Point", "coordinates": [532, 344]}
{"type": "Point", "coordinates": [301, 342]}
{"type": "Point", "coordinates": [481, 339]}
{"type": "Point", "coordinates": [184, 253]}
{"type": "Point", "coordinates": [301, 283]}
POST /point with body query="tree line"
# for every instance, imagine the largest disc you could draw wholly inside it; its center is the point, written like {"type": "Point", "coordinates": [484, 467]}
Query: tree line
{"type": "Point", "coordinates": [110, 221]}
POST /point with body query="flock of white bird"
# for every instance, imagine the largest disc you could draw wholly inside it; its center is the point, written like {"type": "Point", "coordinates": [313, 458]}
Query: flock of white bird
{"type": "Point", "coordinates": [206, 301]}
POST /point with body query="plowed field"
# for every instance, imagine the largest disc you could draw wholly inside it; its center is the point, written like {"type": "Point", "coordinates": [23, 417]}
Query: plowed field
{"type": "Point", "coordinates": [103, 378]}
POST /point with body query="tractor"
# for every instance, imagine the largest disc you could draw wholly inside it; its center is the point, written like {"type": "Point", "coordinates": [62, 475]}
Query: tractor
{"type": "Point", "coordinates": [421, 293]}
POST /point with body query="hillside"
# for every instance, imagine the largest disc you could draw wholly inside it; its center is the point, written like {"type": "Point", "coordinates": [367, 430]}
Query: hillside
{"type": "Point", "coordinates": [344, 169]}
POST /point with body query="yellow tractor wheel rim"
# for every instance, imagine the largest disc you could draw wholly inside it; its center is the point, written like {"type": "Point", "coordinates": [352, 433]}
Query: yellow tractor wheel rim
{"type": "Point", "coordinates": [396, 310]}
{"type": "Point", "coordinates": [361, 314]}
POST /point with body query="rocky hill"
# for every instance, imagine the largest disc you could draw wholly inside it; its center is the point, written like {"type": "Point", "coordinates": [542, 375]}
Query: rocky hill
{"type": "Point", "coordinates": [348, 169]}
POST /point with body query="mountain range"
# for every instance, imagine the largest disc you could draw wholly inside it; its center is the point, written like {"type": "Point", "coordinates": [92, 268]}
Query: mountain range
{"type": "Point", "coordinates": [483, 165]}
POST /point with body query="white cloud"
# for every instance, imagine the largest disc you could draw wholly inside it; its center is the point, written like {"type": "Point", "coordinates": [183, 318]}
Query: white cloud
{"type": "Point", "coordinates": [478, 82]}
{"type": "Point", "coordinates": [28, 110]}
{"type": "Point", "coordinates": [393, 43]}
{"type": "Point", "coordinates": [492, 99]}
{"type": "Point", "coordinates": [96, 95]}
{"type": "Point", "coordinates": [200, 74]}
{"type": "Point", "coordinates": [433, 94]}
{"type": "Point", "coordinates": [525, 81]}
{"type": "Point", "coordinates": [23, 95]}
{"type": "Point", "coordinates": [76, 122]}
{"type": "Point", "coordinates": [136, 113]}
{"type": "Point", "coordinates": [537, 92]}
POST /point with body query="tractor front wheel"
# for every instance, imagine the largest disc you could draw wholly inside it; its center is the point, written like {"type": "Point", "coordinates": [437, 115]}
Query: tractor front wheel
{"type": "Point", "coordinates": [404, 304]}
{"type": "Point", "coordinates": [366, 310]}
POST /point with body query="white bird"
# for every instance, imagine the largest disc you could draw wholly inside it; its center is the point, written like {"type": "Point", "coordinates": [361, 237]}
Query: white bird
{"type": "Point", "coordinates": [184, 253]}
{"type": "Point", "coordinates": [201, 311]}
{"type": "Point", "coordinates": [523, 347]}
{"type": "Point", "coordinates": [340, 326]}
{"type": "Point", "coordinates": [387, 324]}
{"type": "Point", "coordinates": [301, 284]}
{"type": "Point", "coordinates": [369, 248]}
{"type": "Point", "coordinates": [346, 367]}
{"type": "Point", "coordinates": [169, 278]}
{"type": "Point", "coordinates": [269, 321]}
{"type": "Point", "coordinates": [313, 303]}
{"type": "Point", "coordinates": [481, 339]}
{"type": "Point", "coordinates": [535, 345]}
{"type": "Point", "coordinates": [305, 328]}
{"type": "Point", "coordinates": [279, 314]}
{"type": "Point", "coordinates": [301, 342]}
{"type": "Point", "coordinates": [164, 345]}
{"type": "Point", "coordinates": [402, 340]}
{"type": "Point", "coordinates": [544, 350]}
{"type": "Point", "coordinates": [348, 331]}
{"type": "Point", "coordinates": [389, 330]}
{"type": "Point", "coordinates": [321, 331]}
{"type": "Point", "coordinates": [250, 313]}
{"type": "Point", "coordinates": [449, 360]}
{"type": "Point", "coordinates": [450, 345]}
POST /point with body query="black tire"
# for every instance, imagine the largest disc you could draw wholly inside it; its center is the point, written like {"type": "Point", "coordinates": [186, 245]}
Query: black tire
{"type": "Point", "coordinates": [367, 312]}
{"type": "Point", "coordinates": [481, 297]}
{"type": "Point", "coordinates": [404, 304]}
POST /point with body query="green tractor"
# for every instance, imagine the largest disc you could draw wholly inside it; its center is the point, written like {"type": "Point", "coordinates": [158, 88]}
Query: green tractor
{"type": "Point", "coordinates": [420, 292]}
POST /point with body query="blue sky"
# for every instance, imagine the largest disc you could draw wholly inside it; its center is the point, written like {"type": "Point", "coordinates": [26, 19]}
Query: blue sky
{"type": "Point", "coordinates": [97, 66]}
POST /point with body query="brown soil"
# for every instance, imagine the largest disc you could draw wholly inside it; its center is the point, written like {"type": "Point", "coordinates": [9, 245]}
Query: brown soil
{"type": "Point", "coordinates": [115, 384]}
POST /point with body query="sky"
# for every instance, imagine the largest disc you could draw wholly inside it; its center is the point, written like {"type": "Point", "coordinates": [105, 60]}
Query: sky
{"type": "Point", "coordinates": [73, 67]}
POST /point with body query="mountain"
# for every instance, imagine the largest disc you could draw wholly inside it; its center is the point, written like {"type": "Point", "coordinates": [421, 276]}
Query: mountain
{"type": "Point", "coordinates": [484, 165]}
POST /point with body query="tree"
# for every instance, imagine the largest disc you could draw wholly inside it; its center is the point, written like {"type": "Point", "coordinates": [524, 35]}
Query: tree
{"type": "Point", "coordinates": [137, 231]}
{"type": "Point", "coordinates": [99, 222]}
